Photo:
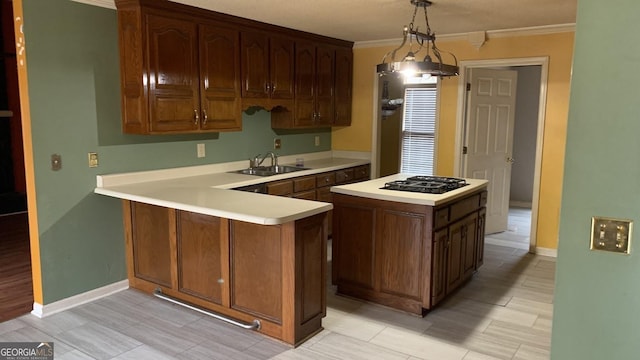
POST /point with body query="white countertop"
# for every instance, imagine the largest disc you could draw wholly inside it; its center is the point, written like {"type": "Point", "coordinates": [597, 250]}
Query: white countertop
{"type": "Point", "coordinates": [372, 189]}
{"type": "Point", "coordinates": [204, 190]}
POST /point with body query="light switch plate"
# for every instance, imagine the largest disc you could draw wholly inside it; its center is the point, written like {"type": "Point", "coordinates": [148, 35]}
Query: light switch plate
{"type": "Point", "coordinates": [93, 159]}
{"type": "Point", "coordinates": [609, 234]}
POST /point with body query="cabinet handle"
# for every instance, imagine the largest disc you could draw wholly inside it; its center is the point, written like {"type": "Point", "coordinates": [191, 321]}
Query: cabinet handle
{"type": "Point", "coordinates": [266, 88]}
{"type": "Point", "coordinates": [196, 117]}
{"type": "Point", "coordinates": [204, 117]}
{"type": "Point", "coordinates": [273, 87]}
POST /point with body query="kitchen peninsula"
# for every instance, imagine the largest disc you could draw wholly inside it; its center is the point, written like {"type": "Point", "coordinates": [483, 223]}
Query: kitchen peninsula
{"type": "Point", "coordinates": [406, 249]}
{"type": "Point", "coordinates": [255, 258]}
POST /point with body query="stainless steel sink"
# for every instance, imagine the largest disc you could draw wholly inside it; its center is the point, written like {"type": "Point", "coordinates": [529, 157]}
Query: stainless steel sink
{"type": "Point", "coordinates": [269, 170]}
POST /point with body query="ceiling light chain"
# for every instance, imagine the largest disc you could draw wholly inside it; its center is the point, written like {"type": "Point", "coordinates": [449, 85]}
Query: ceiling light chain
{"type": "Point", "coordinates": [409, 63]}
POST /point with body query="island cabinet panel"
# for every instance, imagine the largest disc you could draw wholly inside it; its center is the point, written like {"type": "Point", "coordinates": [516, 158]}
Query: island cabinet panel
{"type": "Point", "coordinates": [402, 238]}
{"type": "Point", "coordinates": [405, 256]}
{"type": "Point", "coordinates": [152, 243]}
{"type": "Point", "coordinates": [482, 216]}
{"type": "Point", "coordinates": [438, 288]}
{"type": "Point", "coordinates": [353, 260]}
{"type": "Point", "coordinates": [272, 273]}
{"type": "Point", "coordinates": [201, 243]}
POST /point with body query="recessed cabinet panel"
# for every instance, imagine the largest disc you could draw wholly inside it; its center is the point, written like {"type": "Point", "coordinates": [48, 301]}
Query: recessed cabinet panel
{"type": "Point", "coordinates": [200, 248]}
{"type": "Point", "coordinates": [255, 64]}
{"type": "Point", "coordinates": [343, 86]}
{"type": "Point", "coordinates": [282, 68]}
{"type": "Point", "coordinates": [220, 78]}
{"type": "Point", "coordinates": [173, 74]}
{"type": "Point", "coordinates": [256, 284]}
{"type": "Point", "coordinates": [151, 243]}
{"type": "Point", "coordinates": [402, 237]}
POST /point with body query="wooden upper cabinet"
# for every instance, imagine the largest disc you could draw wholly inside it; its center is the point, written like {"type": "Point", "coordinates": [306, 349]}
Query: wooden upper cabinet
{"type": "Point", "coordinates": [267, 66]}
{"type": "Point", "coordinates": [305, 111]}
{"type": "Point", "coordinates": [178, 74]}
{"type": "Point", "coordinates": [343, 87]}
{"type": "Point", "coordinates": [220, 78]}
{"type": "Point", "coordinates": [188, 70]}
{"type": "Point", "coordinates": [172, 74]}
{"type": "Point", "coordinates": [325, 77]}
{"type": "Point", "coordinates": [314, 88]}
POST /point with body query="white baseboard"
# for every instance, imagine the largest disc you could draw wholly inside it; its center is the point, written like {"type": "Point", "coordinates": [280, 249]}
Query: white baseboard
{"type": "Point", "coordinates": [538, 250]}
{"type": "Point", "coordinates": [41, 311]}
{"type": "Point", "coordinates": [547, 252]}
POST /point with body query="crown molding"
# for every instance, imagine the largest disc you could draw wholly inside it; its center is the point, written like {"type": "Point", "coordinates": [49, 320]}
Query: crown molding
{"type": "Point", "coordinates": [491, 34]}
{"type": "Point", "coordinates": [109, 4]}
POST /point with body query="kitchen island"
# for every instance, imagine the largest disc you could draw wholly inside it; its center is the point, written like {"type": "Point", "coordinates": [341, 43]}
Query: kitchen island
{"type": "Point", "coordinates": [257, 259]}
{"type": "Point", "coordinates": [406, 250]}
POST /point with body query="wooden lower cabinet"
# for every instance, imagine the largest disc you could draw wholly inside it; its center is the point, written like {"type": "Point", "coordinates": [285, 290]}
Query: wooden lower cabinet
{"type": "Point", "coordinates": [405, 256]}
{"type": "Point", "coordinates": [246, 271]}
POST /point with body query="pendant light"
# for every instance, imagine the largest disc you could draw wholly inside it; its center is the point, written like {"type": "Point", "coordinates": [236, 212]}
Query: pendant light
{"type": "Point", "coordinates": [424, 41]}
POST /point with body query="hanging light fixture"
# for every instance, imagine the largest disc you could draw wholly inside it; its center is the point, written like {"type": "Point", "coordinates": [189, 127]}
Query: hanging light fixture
{"type": "Point", "coordinates": [424, 41]}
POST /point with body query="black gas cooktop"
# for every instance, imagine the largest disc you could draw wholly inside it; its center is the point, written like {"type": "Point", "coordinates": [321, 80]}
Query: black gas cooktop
{"type": "Point", "coordinates": [426, 184]}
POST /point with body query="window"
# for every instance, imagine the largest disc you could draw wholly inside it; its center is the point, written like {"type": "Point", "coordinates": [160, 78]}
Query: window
{"type": "Point", "coordinates": [419, 130]}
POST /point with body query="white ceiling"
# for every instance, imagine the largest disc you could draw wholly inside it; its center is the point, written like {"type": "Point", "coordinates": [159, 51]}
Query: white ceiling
{"type": "Point", "coordinates": [374, 20]}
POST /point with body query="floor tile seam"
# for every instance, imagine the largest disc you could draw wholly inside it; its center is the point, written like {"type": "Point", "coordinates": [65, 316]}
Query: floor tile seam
{"type": "Point", "coordinates": [526, 339]}
{"type": "Point", "coordinates": [172, 353]}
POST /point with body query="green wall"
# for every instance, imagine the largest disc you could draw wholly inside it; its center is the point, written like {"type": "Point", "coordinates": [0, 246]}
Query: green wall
{"type": "Point", "coordinates": [598, 293]}
{"type": "Point", "coordinates": [74, 93]}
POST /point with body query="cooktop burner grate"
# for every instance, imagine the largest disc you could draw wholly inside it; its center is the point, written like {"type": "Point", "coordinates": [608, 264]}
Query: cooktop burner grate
{"type": "Point", "coordinates": [426, 184]}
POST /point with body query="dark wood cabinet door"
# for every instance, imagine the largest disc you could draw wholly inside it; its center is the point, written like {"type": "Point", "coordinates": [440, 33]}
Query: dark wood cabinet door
{"type": "Point", "coordinates": [455, 255]}
{"type": "Point", "coordinates": [173, 82]}
{"type": "Point", "coordinates": [353, 247]}
{"type": "Point", "coordinates": [482, 216]}
{"type": "Point", "coordinates": [342, 86]}
{"type": "Point", "coordinates": [325, 77]}
{"type": "Point", "coordinates": [399, 253]}
{"type": "Point", "coordinates": [151, 240]}
{"type": "Point", "coordinates": [202, 253]}
{"type": "Point", "coordinates": [255, 64]}
{"type": "Point", "coordinates": [305, 110]}
{"type": "Point", "coordinates": [220, 78]}
{"type": "Point", "coordinates": [469, 250]}
{"type": "Point", "coordinates": [439, 266]}
{"type": "Point", "coordinates": [256, 269]}
{"type": "Point", "coordinates": [281, 67]}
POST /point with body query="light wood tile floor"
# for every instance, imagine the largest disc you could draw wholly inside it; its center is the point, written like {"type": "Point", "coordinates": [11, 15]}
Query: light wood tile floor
{"type": "Point", "coordinates": [518, 232]}
{"type": "Point", "coordinates": [504, 312]}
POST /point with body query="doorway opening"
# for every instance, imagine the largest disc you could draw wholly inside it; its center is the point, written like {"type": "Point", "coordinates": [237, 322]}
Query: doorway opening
{"type": "Point", "coordinates": [528, 131]}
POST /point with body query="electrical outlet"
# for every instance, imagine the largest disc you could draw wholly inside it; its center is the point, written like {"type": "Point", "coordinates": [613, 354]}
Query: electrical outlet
{"type": "Point", "coordinates": [56, 162]}
{"type": "Point", "coordinates": [93, 159]}
{"type": "Point", "coordinates": [200, 150]}
{"type": "Point", "coordinates": [317, 140]}
{"type": "Point", "coordinates": [277, 143]}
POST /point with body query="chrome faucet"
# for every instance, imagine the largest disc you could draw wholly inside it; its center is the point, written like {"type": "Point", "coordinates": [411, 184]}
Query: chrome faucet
{"type": "Point", "coordinates": [257, 161]}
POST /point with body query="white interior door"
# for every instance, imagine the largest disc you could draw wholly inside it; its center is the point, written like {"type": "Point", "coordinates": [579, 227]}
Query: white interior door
{"type": "Point", "coordinates": [489, 138]}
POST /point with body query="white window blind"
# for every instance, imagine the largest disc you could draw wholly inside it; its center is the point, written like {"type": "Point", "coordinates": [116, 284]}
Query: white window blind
{"type": "Point", "coordinates": [419, 130]}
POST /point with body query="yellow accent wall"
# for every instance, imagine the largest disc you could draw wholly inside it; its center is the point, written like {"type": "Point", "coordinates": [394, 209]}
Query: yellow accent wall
{"type": "Point", "coordinates": [557, 47]}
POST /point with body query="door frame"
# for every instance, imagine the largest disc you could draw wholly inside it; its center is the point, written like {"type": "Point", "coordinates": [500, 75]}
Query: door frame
{"type": "Point", "coordinates": [461, 123]}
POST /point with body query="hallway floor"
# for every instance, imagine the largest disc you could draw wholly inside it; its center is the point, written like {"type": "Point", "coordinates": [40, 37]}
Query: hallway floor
{"type": "Point", "coordinates": [518, 230]}
{"type": "Point", "coordinates": [504, 312]}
